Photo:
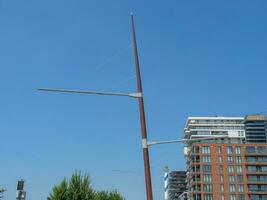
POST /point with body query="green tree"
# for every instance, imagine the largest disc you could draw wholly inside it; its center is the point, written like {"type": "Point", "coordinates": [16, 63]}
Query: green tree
{"type": "Point", "coordinates": [79, 188]}
{"type": "Point", "coordinates": [105, 195]}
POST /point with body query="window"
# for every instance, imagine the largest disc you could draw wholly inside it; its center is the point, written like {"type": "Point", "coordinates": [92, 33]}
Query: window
{"type": "Point", "coordinates": [263, 169]}
{"type": "Point", "coordinates": [250, 149]}
{"type": "Point", "coordinates": [238, 150]}
{"type": "Point", "coordinates": [240, 188]}
{"type": "Point", "coordinates": [239, 169]}
{"type": "Point", "coordinates": [208, 197]}
{"type": "Point", "coordinates": [262, 159]}
{"type": "Point", "coordinates": [222, 188]}
{"type": "Point", "coordinates": [241, 197]}
{"type": "Point", "coordinates": [221, 178]}
{"type": "Point", "coordinates": [207, 187]}
{"type": "Point", "coordinates": [253, 188]}
{"type": "Point", "coordinates": [223, 198]}
{"type": "Point", "coordinates": [220, 150]}
{"type": "Point", "coordinates": [207, 178]}
{"type": "Point", "coordinates": [229, 150]}
{"type": "Point", "coordinates": [206, 168]}
{"type": "Point", "coordinates": [221, 169]}
{"type": "Point", "coordinates": [206, 150]}
{"type": "Point", "coordinates": [232, 197]}
{"type": "Point", "coordinates": [232, 188]}
{"type": "Point", "coordinates": [220, 159]}
{"type": "Point", "coordinates": [252, 168]}
{"type": "Point", "coordinates": [252, 178]}
{"type": "Point", "coordinates": [239, 178]}
{"type": "Point", "coordinates": [238, 159]}
{"type": "Point", "coordinates": [254, 197]}
{"type": "Point", "coordinates": [196, 187]}
{"type": "Point", "coordinates": [250, 159]}
{"type": "Point", "coordinates": [196, 150]}
{"type": "Point", "coordinates": [231, 169]}
{"type": "Point", "coordinates": [263, 178]}
{"type": "Point", "coordinates": [261, 149]}
{"type": "Point", "coordinates": [230, 159]}
{"type": "Point", "coordinates": [197, 197]}
{"type": "Point", "coordinates": [231, 179]}
{"type": "Point", "coordinates": [206, 159]}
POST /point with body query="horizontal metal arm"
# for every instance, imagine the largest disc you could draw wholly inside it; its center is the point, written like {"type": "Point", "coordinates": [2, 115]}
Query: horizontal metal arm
{"type": "Point", "coordinates": [150, 143]}
{"type": "Point", "coordinates": [133, 95]}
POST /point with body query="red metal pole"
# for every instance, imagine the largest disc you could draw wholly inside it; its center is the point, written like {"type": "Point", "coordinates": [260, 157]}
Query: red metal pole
{"type": "Point", "coordinates": [142, 118]}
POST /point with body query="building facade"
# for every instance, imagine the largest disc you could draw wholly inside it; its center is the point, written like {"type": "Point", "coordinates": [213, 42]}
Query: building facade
{"type": "Point", "coordinates": [225, 168]}
{"type": "Point", "coordinates": [256, 129]}
{"type": "Point", "coordinates": [175, 184]}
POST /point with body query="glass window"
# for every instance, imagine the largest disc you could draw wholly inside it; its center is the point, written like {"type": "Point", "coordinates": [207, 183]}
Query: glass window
{"type": "Point", "coordinates": [232, 197]}
{"type": "Point", "coordinates": [206, 168]}
{"type": "Point", "coordinates": [250, 159]}
{"type": "Point", "coordinates": [252, 168]}
{"type": "Point", "coordinates": [241, 197]}
{"type": "Point", "coordinates": [238, 159]}
{"type": "Point", "coordinates": [207, 187]}
{"type": "Point", "coordinates": [208, 197]}
{"type": "Point", "coordinates": [262, 159]}
{"type": "Point", "coordinates": [206, 159]}
{"type": "Point", "coordinates": [220, 150]}
{"type": "Point", "coordinates": [231, 179]}
{"type": "Point", "coordinates": [232, 188]}
{"type": "Point", "coordinates": [239, 178]}
{"type": "Point", "coordinates": [221, 169]}
{"type": "Point", "coordinates": [238, 150]}
{"type": "Point", "coordinates": [221, 178]}
{"type": "Point", "coordinates": [196, 149]}
{"type": "Point", "coordinates": [250, 149]}
{"type": "Point", "coordinates": [239, 169]}
{"type": "Point", "coordinates": [253, 188]}
{"type": "Point", "coordinates": [222, 188]}
{"type": "Point", "coordinates": [206, 150]}
{"type": "Point", "coordinates": [197, 197]}
{"type": "Point", "coordinates": [240, 188]}
{"type": "Point", "coordinates": [254, 197]}
{"type": "Point", "coordinates": [207, 178]}
{"type": "Point", "coordinates": [223, 198]}
{"type": "Point", "coordinates": [231, 169]}
{"type": "Point", "coordinates": [230, 159]}
{"type": "Point", "coordinates": [220, 159]}
{"type": "Point", "coordinates": [229, 150]}
{"type": "Point", "coordinates": [263, 169]}
{"type": "Point", "coordinates": [263, 178]}
{"type": "Point", "coordinates": [261, 149]}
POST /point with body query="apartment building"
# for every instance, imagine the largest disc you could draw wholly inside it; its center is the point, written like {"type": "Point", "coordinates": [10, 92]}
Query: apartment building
{"type": "Point", "coordinates": [175, 184]}
{"type": "Point", "coordinates": [224, 168]}
{"type": "Point", "coordinates": [256, 129]}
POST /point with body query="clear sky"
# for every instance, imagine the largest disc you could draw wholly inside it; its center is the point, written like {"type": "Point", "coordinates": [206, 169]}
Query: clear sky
{"type": "Point", "coordinates": [198, 58]}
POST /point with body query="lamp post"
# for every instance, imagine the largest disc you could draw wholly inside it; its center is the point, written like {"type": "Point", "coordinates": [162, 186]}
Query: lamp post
{"type": "Point", "coordinates": [137, 95]}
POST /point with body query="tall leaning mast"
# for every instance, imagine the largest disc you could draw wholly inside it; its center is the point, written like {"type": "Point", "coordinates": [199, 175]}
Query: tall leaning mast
{"type": "Point", "coordinates": [142, 117]}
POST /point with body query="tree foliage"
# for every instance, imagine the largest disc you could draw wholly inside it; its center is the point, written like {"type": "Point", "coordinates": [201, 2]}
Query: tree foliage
{"type": "Point", "coordinates": [105, 195]}
{"type": "Point", "coordinates": [79, 188]}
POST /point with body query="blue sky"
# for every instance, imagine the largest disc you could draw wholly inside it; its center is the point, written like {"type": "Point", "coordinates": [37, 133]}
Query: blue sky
{"type": "Point", "coordinates": [198, 58]}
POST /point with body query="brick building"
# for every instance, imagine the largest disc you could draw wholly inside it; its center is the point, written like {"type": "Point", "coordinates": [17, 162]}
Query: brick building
{"type": "Point", "coordinates": [224, 168]}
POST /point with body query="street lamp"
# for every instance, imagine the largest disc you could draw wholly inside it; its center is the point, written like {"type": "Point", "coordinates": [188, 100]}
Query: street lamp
{"type": "Point", "coordinates": [137, 95]}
